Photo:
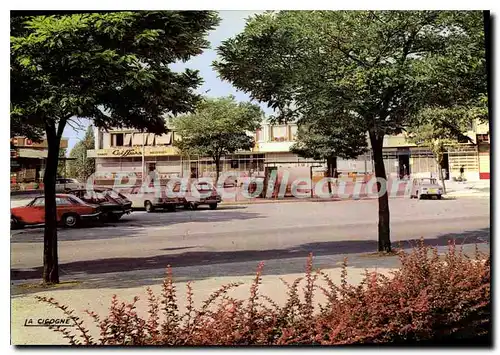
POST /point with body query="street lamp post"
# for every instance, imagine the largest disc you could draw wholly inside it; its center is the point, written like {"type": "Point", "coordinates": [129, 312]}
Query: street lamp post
{"type": "Point", "coordinates": [142, 156]}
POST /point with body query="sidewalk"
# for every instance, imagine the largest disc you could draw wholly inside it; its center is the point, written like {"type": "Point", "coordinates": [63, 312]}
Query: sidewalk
{"type": "Point", "coordinates": [99, 300]}
{"type": "Point", "coordinates": [479, 188]}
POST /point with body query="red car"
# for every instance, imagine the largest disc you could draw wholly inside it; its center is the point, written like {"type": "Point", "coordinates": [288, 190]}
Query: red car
{"type": "Point", "coordinates": [70, 211]}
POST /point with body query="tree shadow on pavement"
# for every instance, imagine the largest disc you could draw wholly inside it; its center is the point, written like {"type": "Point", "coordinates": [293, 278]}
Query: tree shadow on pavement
{"type": "Point", "coordinates": [132, 228]}
{"type": "Point", "coordinates": [191, 265]}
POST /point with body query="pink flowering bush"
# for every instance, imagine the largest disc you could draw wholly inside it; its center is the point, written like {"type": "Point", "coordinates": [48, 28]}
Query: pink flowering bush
{"type": "Point", "coordinates": [431, 298]}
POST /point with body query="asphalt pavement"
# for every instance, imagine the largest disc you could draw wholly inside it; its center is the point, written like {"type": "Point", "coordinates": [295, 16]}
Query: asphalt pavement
{"type": "Point", "coordinates": [233, 239]}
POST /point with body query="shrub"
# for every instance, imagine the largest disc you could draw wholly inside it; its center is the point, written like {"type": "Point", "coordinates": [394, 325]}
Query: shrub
{"type": "Point", "coordinates": [429, 298]}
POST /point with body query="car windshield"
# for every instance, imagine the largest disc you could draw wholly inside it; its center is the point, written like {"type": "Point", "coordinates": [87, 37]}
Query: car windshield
{"type": "Point", "coordinates": [428, 181]}
{"type": "Point", "coordinates": [204, 187]}
{"type": "Point", "coordinates": [95, 196]}
{"type": "Point", "coordinates": [112, 194]}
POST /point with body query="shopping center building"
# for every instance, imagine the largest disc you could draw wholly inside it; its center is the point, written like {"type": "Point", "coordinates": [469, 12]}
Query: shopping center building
{"type": "Point", "coordinates": [121, 151]}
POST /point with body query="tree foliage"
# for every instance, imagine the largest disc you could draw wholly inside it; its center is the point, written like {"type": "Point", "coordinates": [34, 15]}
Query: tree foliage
{"type": "Point", "coordinates": [439, 129]}
{"type": "Point", "coordinates": [82, 167]}
{"type": "Point", "coordinates": [218, 127]}
{"type": "Point", "coordinates": [375, 70]}
{"type": "Point", "coordinates": [328, 140]}
{"type": "Point", "coordinates": [112, 68]}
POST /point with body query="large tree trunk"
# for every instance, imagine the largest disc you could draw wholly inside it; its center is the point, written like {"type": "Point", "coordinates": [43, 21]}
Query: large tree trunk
{"type": "Point", "coordinates": [331, 166]}
{"type": "Point", "coordinates": [384, 237]}
{"type": "Point", "coordinates": [50, 258]}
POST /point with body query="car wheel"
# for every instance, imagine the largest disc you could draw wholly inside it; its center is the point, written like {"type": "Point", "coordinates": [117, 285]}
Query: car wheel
{"type": "Point", "coordinates": [113, 217]}
{"type": "Point", "coordinates": [213, 206]}
{"type": "Point", "coordinates": [170, 208]}
{"type": "Point", "coordinates": [439, 197]}
{"type": "Point", "coordinates": [70, 220]}
{"type": "Point", "coordinates": [104, 217]}
{"type": "Point", "coordinates": [193, 206]}
{"type": "Point", "coordinates": [187, 206]}
{"type": "Point", "coordinates": [149, 206]}
{"type": "Point", "coordinates": [14, 223]}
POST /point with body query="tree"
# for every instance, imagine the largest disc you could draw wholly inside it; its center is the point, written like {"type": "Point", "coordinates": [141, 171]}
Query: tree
{"type": "Point", "coordinates": [61, 165]}
{"type": "Point", "coordinates": [112, 68]}
{"type": "Point", "coordinates": [82, 167]}
{"type": "Point", "coordinates": [440, 128]}
{"type": "Point", "coordinates": [372, 69]}
{"type": "Point", "coordinates": [328, 142]}
{"type": "Point", "coordinates": [218, 127]}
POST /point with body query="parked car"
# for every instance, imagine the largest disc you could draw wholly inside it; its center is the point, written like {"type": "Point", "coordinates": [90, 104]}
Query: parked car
{"type": "Point", "coordinates": [206, 194]}
{"type": "Point", "coordinates": [64, 185]}
{"type": "Point", "coordinates": [113, 204]}
{"type": "Point", "coordinates": [70, 211]}
{"type": "Point", "coordinates": [426, 188]}
{"type": "Point", "coordinates": [151, 201]}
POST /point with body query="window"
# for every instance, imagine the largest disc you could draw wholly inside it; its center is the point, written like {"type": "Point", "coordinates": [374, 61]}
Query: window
{"type": "Point", "coordinates": [151, 167]}
{"type": "Point", "coordinates": [293, 133]}
{"type": "Point", "coordinates": [259, 136]}
{"type": "Point", "coordinates": [61, 201]}
{"type": "Point", "coordinates": [128, 139]}
{"type": "Point", "coordinates": [204, 187]}
{"type": "Point", "coordinates": [279, 134]}
{"type": "Point", "coordinates": [117, 139]}
{"type": "Point", "coordinates": [483, 138]}
{"type": "Point", "coordinates": [75, 200]}
{"type": "Point", "coordinates": [39, 202]}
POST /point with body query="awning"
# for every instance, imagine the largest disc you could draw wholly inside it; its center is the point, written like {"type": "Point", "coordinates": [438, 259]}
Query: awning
{"type": "Point", "coordinates": [31, 153]}
{"type": "Point", "coordinates": [36, 154]}
{"type": "Point", "coordinates": [165, 139]}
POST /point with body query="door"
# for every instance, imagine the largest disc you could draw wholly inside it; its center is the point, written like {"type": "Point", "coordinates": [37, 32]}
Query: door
{"type": "Point", "coordinates": [36, 213]}
{"type": "Point", "coordinates": [269, 172]}
{"type": "Point", "coordinates": [194, 170]}
{"type": "Point", "coordinates": [63, 205]}
{"type": "Point", "coordinates": [404, 164]}
{"type": "Point", "coordinates": [484, 161]}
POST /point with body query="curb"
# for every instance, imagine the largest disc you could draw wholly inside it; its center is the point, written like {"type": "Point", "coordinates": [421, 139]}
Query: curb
{"type": "Point", "coordinates": [297, 200]}
{"type": "Point", "coordinates": [482, 194]}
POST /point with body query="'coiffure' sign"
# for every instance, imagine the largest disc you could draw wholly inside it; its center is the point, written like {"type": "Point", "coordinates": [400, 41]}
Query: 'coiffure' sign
{"type": "Point", "coordinates": [135, 151]}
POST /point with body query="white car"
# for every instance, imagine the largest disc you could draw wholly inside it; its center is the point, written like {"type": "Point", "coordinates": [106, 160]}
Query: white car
{"type": "Point", "coordinates": [426, 188]}
{"type": "Point", "coordinates": [63, 185]}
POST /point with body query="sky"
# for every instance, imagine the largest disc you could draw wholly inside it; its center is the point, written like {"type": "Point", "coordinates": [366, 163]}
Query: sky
{"type": "Point", "coordinates": [232, 22]}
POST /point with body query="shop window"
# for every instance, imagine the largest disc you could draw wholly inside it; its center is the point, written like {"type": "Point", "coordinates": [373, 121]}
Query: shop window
{"type": "Point", "coordinates": [234, 164]}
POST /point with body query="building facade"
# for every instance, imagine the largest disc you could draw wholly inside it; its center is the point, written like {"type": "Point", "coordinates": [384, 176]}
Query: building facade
{"type": "Point", "coordinates": [27, 160]}
{"type": "Point", "coordinates": [122, 151]}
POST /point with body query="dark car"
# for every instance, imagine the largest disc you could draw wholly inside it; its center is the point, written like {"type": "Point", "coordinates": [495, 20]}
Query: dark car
{"type": "Point", "coordinates": [205, 194]}
{"type": "Point", "coordinates": [113, 204]}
